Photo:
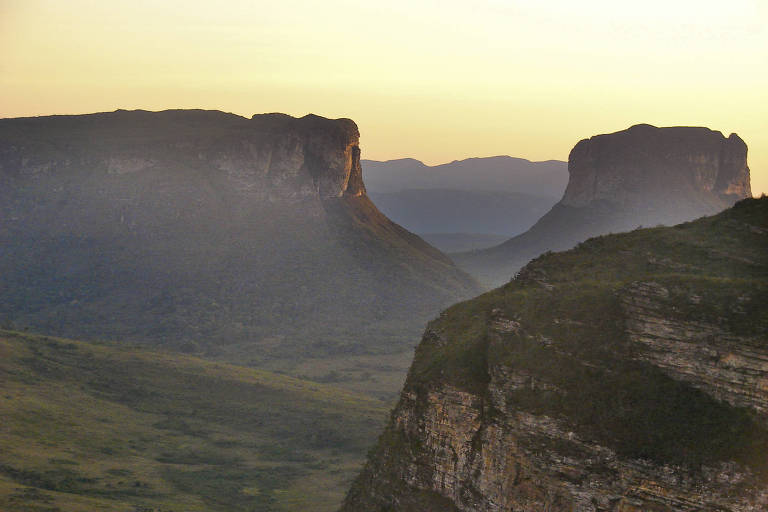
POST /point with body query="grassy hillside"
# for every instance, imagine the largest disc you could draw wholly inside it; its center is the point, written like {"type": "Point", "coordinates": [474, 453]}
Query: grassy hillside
{"type": "Point", "coordinates": [114, 428]}
{"type": "Point", "coordinates": [573, 337]}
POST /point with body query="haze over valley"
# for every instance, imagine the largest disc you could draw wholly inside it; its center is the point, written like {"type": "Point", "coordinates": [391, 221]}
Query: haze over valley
{"type": "Point", "coordinates": [383, 256]}
{"type": "Point", "coordinates": [469, 204]}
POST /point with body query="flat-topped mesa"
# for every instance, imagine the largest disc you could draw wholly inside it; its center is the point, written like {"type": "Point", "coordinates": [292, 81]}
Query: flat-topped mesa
{"type": "Point", "coordinates": [330, 151]}
{"type": "Point", "coordinates": [641, 176]}
{"type": "Point", "coordinates": [270, 155]}
{"type": "Point", "coordinates": [646, 167]}
{"type": "Point", "coordinates": [206, 227]}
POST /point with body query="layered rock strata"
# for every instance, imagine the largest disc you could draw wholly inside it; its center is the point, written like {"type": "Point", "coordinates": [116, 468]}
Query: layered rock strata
{"type": "Point", "coordinates": [642, 176]}
{"type": "Point", "coordinates": [207, 231]}
{"type": "Point", "coordinates": [625, 375]}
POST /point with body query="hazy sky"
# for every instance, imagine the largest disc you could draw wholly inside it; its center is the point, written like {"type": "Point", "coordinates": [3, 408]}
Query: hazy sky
{"type": "Point", "coordinates": [433, 80]}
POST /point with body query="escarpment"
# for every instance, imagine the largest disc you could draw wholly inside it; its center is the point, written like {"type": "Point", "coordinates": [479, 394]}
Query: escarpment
{"type": "Point", "coordinates": [627, 374]}
{"type": "Point", "coordinates": [207, 231]}
{"type": "Point", "coordinates": [642, 176]}
{"type": "Point", "coordinates": [645, 168]}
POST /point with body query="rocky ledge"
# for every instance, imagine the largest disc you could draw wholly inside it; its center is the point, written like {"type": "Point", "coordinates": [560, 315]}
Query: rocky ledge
{"type": "Point", "coordinates": [269, 155]}
{"type": "Point", "coordinates": [628, 374]}
{"type": "Point", "coordinates": [641, 176]}
{"type": "Point", "coordinates": [644, 166]}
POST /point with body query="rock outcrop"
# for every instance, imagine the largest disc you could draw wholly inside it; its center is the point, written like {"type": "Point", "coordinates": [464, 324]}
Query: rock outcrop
{"type": "Point", "coordinates": [642, 176]}
{"type": "Point", "coordinates": [659, 170]}
{"type": "Point", "coordinates": [628, 374]}
{"type": "Point", "coordinates": [207, 231]}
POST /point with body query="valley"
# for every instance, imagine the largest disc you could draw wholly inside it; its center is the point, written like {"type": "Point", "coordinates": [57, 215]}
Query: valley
{"type": "Point", "coordinates": [117, 427]}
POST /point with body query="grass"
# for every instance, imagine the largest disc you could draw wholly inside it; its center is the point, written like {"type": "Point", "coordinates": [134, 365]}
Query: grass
{"type": "Point", "coordinates": [108, 427]}
{"type": "Point", "coordinates": [573, 337]}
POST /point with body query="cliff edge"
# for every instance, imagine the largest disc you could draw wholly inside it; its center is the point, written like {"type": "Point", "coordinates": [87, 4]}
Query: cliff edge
{"type": "Point", "coordinates": [642, 176]}
{"type": "Point", "coordinates": [208, 231]}
{"type": "Point", "coordinates": [627, 374]}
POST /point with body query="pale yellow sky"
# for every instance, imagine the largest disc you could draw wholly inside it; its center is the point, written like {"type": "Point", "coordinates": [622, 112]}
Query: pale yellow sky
{"type": "Point", "coordinates": [433, 80]}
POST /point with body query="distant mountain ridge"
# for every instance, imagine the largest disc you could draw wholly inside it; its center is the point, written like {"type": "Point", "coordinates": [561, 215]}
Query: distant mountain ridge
{"type": "Point", "coordinates": [497, 173]}
{"type": "Point", "coordinates": [642, 176]}
{"type": "Point", "coordinates": [208, 231]}
{"type": "Point", "coordinates": [462, 211]}
{"type": "Point", "coordinates": [468, 199]}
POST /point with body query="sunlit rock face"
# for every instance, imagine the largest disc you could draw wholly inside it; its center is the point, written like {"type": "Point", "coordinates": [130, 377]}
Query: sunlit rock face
{"type": "Point", "coordinates": [203, 228]}
{"type": "Point", "coordinates": [628, 374]}
{"type": "Point", "coordinates": [270, 155]}
{"type": "Point", "coordinates": [684, 171]}
{"type": "Point", "coordinates": [642, 176]}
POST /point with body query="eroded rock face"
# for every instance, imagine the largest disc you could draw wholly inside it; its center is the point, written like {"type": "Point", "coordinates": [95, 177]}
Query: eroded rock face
{"type": "Point", "coordinates": [642, 176]}
{"type": "Point", "coordinates": [732, 367]}
{"type": "Point", "coordinates": [200, 227]}
{"type": "Point", "coordinates": [486, 455]}
{"type": "Point", "coordinates": [270, 155]}
{"type": "Point", "coordinates": [644, 167]}
{"type": "Point", "coordinates": [628, 374]}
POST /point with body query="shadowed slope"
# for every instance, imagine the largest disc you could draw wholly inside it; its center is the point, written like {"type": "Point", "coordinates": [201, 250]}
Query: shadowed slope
{"type": "Point", "coordinates": [207, 231]}
{"type": "Point", "coordinates": [628, 373]}
{"type": "Point", "coordinates": [642, 176]}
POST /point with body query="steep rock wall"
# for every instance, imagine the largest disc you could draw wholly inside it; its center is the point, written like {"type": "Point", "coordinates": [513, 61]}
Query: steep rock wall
{"type": "Point", "coordinates": [625, 375]}
{"type": "Point", "coordinates": [207, 231]}
{"type": "Point", "coordinates": [641, 176]}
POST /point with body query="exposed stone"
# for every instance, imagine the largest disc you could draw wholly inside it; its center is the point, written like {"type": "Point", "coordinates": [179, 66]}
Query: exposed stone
{"type": "Point", "coordinates": [493, 417]}
{"type": "Point", "coordinates": [728, 366]}
{"type": "Point", "coordinates": [643, 167]}
{"type": "Point", "coordinates": [640, 177]}
{"type": "Point", "coordinates": [191, 227]}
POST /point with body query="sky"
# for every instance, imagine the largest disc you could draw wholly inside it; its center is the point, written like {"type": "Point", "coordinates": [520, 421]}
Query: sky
{"type": "Point", "coordinates": [432, 80]}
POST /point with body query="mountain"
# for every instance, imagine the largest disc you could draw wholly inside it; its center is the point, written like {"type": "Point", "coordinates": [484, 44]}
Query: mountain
{"type": "Point", "coordinates": [429, 211]}
{"type": "Point", "coordinates": [498, 173]}
{"type": "Point", "coordinates": [247, 239]}
{"type": "Point", "coordinates": [627, 374]}
{"type": "Point", "coordinates": [459, 242]}
{"type": "Point", "coordinates": [468, 199]}
{"type": "Point", "coordinates": [642, 176]}
{"type": "Point", "coordinates": [113, 427]}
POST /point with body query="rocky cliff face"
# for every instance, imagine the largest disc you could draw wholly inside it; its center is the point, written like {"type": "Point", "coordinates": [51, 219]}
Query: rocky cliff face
{"type": "Point", "coordinates": [628, 374]}
{"type": "Point", "coordinates": [205, 230]}
{"type": "Point", "coordinates": [642, 176]}
{"type": "Point", "coordinates": [270, 155]}
{"type": "Point", "coordinates": [645, 167]}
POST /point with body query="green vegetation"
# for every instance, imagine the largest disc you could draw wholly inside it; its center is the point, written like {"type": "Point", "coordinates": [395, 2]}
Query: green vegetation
{"type": "Point", "coordinates": [206, 233]}
{"type": "Point", "coordinates": [572, 337]}
{"type": "Point", "coordinates": [115, 428]}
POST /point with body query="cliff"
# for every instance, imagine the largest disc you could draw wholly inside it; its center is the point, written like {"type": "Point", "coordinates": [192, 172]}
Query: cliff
{"type": "Point", "coordinates": [628, 374]}
{"type": "Point", "coordinates": [642, 176]}
{"type": "Point", "coordinates": [645, 168]}
{"type": "Point", "coordinates": [251, 239]}
{"type": "Point", "coordinates": [270, 155]}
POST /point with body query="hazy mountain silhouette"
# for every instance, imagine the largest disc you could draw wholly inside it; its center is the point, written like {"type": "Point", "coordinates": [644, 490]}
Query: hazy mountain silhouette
{"type": "Point", "coordinates": [497, 173]}
{"type": "Point", "coordinates": [642, 176]}
{"type": "Point", "coordinates": [465, 199]}
{"type": "Point", "coordinates": [462, 211]}
{"type": "Point", "coordinates": [206, 230]}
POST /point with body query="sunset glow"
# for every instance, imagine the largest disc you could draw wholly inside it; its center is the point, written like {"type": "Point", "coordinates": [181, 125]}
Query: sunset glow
{"type": "Point", "coordinates": [433, 80]}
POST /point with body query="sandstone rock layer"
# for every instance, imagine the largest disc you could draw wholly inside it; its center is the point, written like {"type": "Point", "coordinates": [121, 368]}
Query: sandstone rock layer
{"type": "Point", "coordinates": [642, 176]}
{"type": "Point", "coordinates": [203, 230]}
{"type": "Point", "coordinates": [628, 374]}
